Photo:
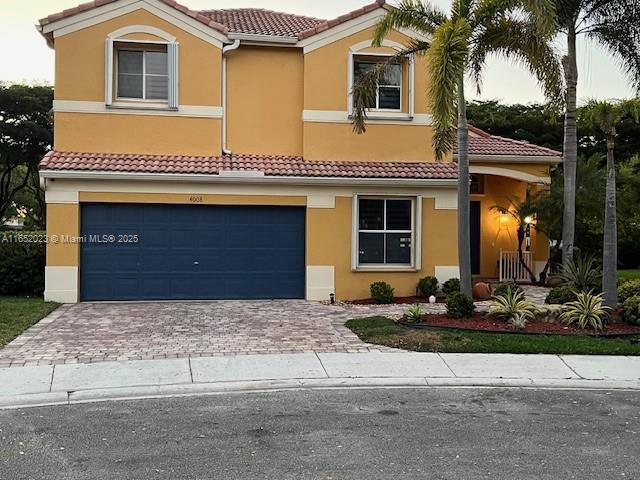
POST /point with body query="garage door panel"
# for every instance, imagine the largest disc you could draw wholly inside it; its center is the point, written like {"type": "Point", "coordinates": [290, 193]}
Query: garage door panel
{"type": "Point", "coordinates": [193, 252]}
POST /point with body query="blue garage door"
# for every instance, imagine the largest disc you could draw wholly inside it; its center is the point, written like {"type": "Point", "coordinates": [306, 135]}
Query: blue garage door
{"type": "Point", "coordinates": [191, 252]}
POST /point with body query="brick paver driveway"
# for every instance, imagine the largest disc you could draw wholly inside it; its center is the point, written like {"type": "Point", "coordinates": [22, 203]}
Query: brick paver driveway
{"type": "Point", "coordinates": [95, 332]}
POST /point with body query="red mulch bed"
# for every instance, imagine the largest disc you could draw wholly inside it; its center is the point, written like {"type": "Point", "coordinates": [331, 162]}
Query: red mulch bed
{"type": "Point", "coordinates": [398, 300]}
{"type": "Point", "coordinates": [480, 323]}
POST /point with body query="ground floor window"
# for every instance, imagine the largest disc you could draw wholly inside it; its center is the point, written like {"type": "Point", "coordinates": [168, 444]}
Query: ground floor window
{"type": "Point", "coordinates": [386, 231]}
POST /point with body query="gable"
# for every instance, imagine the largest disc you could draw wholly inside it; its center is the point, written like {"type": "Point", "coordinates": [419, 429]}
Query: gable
{"type": "Point", "coordinates": [100, 11]}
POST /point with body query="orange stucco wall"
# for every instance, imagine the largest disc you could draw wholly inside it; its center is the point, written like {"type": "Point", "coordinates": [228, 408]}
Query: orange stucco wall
{"type": "Point", "coordinates": [80, 63]}
{"type": "Point", "coordinates": [264, 100]}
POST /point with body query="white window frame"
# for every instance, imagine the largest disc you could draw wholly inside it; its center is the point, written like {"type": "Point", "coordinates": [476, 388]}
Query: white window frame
{"type": "Point", "coordinates": [357, 59]}
{"type": "Point", "coordinates": [416, 234]}
{"type": "Point", "coordinates": [111, 76]}
{"type": "Point", "coordinates": [384, 113]}
{"type": "Point", "coordinates": [144, 75]}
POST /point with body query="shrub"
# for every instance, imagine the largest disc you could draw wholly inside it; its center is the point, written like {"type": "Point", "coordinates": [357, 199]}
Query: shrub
{"type": "Point", "coordinates": [451, 286]}
{"type": "Point", "coordinates": [583, 274]}
{"type": "Point", "coordinates": [631, 313]}
{"type": "Point", "coordinates": [586, 310]}
{"type": "Point", "coordinates": [381, 292]}
{"type": "Point", "coordinates": [561, 294]}
{"type": "Point", "coordinates": [504, 287]}
{"type": "Point", "coordinates": [514, 307]}
{"type": "Point", "coordinates": [414, 313]}
{"type": "Point", "coordinates": [628, 289]}
{"type": "Point", "coordinates": [459, 305]}
{"type": "Point", "coordinates": [21, 264]}
{"type": "Point", "coordinates": [428, 286]}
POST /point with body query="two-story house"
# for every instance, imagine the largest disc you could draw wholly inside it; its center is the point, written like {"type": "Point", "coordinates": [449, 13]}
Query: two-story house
{"type": "Point", "coordinates": [210, 155]}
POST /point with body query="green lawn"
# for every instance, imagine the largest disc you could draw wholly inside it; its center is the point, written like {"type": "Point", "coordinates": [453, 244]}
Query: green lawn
{"type": "Point", "coordinates": [17, 314]}
{"type": "Point", "coordinates": [382, 331]}
{"type": "Point", "coordinates": [629, 274]}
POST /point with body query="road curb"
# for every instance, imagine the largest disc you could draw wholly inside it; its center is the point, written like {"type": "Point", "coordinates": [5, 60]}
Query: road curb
{"type": "Point", "coordinates": [264, 386]}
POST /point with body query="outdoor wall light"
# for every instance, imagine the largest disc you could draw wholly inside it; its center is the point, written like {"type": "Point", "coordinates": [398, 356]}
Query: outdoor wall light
{"type": "Point", "coordinates": [528, 219]}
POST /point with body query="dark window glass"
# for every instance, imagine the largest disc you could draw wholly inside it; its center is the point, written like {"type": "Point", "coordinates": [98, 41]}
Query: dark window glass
{"type": "Point", "coordinates": [398, 215]}
{"type": "Point", "coordinates": [389, 98]}
{"type": "Point", "coordinates": [371, 214]}
{"type": "Point", "coordinates": [477, 184]}
{"type": "Point", "coordinates": [130, 74]}
{"type": "Point", "coordinates": [371, 248]}
{"type": "Point", "coordinates": [359, 70]}
{"type": "Point", "coordinates": [398, 247]}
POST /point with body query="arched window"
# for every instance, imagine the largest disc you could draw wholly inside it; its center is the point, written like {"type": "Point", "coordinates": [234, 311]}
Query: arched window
{"type": "Point", "coordinates": [141, 71]}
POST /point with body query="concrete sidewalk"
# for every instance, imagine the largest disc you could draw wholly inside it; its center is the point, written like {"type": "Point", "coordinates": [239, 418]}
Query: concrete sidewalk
{"type": "Point", "coordinates": [66, 384]}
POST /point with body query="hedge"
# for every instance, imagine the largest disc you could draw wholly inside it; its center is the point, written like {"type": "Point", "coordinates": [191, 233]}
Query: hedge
{"type": "Point", "coordinates": [22, 263]}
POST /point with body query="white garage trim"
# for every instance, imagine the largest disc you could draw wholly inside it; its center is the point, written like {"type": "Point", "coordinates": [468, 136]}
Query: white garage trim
{"type": "Point", "coordinates": [61, 284]}
{"type": "Point", "coordinates": [320, 282]}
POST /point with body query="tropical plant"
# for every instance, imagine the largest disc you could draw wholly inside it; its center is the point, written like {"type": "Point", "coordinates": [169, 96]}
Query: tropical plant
{"type": "Point", "coordinates": [560, 294]}
{"type": "Point", "coordinates": [414, 313]}
{"type": "Point", "coordinates": [381, 292]}
{"type": "Point", "coordinates": [26, 133]}
{"type": "Point", "coordinates": [514, 307]}
{"type": "Point", "coordinates": [587, 310]}
{"type": "Point", "coordinates": [582, 273]}
{"type": "Point", "coordinates": [459, 305]}
{"type": "Point", "coordinates": [504, 287]}
{"type": "Point", "coordinates": [606, 115]}
{"type": "Point", "coordinates": [451, 286]}
{"type": "Point", "coordinates": [628, 289]}
{"type": "Point", "coordinates": [631, 310]}
{"type": "Point", "coordinates": [460, 42]}
{"type": "Point", "coordinates": [428, 286]}
{"type": "Point", "coordinates": [615, 25]}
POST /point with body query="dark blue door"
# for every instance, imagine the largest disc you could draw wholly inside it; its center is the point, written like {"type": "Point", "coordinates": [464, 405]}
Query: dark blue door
{"type": "Point", "coordinates": [474, 216]}
{"type": "Point", "coordinates": [191, 252]}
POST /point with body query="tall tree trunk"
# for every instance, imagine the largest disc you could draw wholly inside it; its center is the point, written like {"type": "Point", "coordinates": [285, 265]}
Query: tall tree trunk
{"type": "Point", "coordinates": [464, 230]}
{"type": "Point", "coordinates": [610, 250]}
{"type": "Point", "coordinates": [570, 150]}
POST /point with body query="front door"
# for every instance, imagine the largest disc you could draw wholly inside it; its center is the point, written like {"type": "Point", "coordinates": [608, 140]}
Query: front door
{"type": "Point", "coordinates": [475, 237]}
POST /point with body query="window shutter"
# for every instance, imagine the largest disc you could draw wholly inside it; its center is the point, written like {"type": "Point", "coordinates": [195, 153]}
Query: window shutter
{"type": "Point", "coordinates": [350, 85]}
{"type": "Point", "coordinates": [108, 69]}
{"type": "Point", "coordinates": [172, 58]}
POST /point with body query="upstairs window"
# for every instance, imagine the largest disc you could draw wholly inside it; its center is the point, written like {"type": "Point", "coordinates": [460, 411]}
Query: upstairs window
{"type": "Point", "coordinates": [385, 231]}
{"type": "Point", "coordinates": [389, 91]}
{"type": "Point", "coordinates": [142, 74]}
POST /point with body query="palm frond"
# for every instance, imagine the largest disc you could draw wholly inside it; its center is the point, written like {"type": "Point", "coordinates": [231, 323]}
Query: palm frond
{"type": "Point", "coordinates": [542, 13]}
{"type": "Point", "coordinates": [364, 89]}
{"type": "Point", "coordinates": [448, 60]}
{"type": "Point", "coordinates": [419, 16]}
{"type": "Point", "coordinates": [519, 41]}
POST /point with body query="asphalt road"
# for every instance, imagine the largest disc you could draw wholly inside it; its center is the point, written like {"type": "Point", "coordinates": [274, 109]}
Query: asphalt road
{"type": "Point", "coordinates": [457, 434]}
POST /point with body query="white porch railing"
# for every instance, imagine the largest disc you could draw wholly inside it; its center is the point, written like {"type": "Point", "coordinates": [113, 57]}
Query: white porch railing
{"type": "Point", "coordinates": [511, 270]}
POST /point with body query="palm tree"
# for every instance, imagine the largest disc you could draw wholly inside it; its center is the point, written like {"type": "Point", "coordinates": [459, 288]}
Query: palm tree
{"type": "Point", "coordinates": [615, 25]}
{"type": "Point", "coordinates": [606, 115]}
{"type": "Point", "coordinates": [519, 30]}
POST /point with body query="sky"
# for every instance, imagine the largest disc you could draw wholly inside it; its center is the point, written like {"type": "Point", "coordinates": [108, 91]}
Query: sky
{"type": "Point", "coordinates": [25, 57]}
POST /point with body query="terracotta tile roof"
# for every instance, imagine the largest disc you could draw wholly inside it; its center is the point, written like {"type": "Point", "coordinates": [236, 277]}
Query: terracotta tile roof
{"type": "Point", "coordinates": [483, 143]}
{"type": "Point", "coordinates": [70, 12]}
{"type": "Point", "coordinates": [243, 20]}
{"type": "Point", "coordinates": [257, 21]}
{"type": "Point", "coordinates": [271, 165]}
{"type": "Point", "coordinates": [342, 19]}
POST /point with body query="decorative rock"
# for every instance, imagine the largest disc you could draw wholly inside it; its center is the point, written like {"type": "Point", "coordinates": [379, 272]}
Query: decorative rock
{"type": "Point", "coordinates": [432, 299]}
{"type": "Point", "coordinates": [481, 291]}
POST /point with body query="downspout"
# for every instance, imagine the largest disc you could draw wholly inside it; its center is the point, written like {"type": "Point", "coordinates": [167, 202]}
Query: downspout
{"type": "Point", "coordinates": [225, 49]}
